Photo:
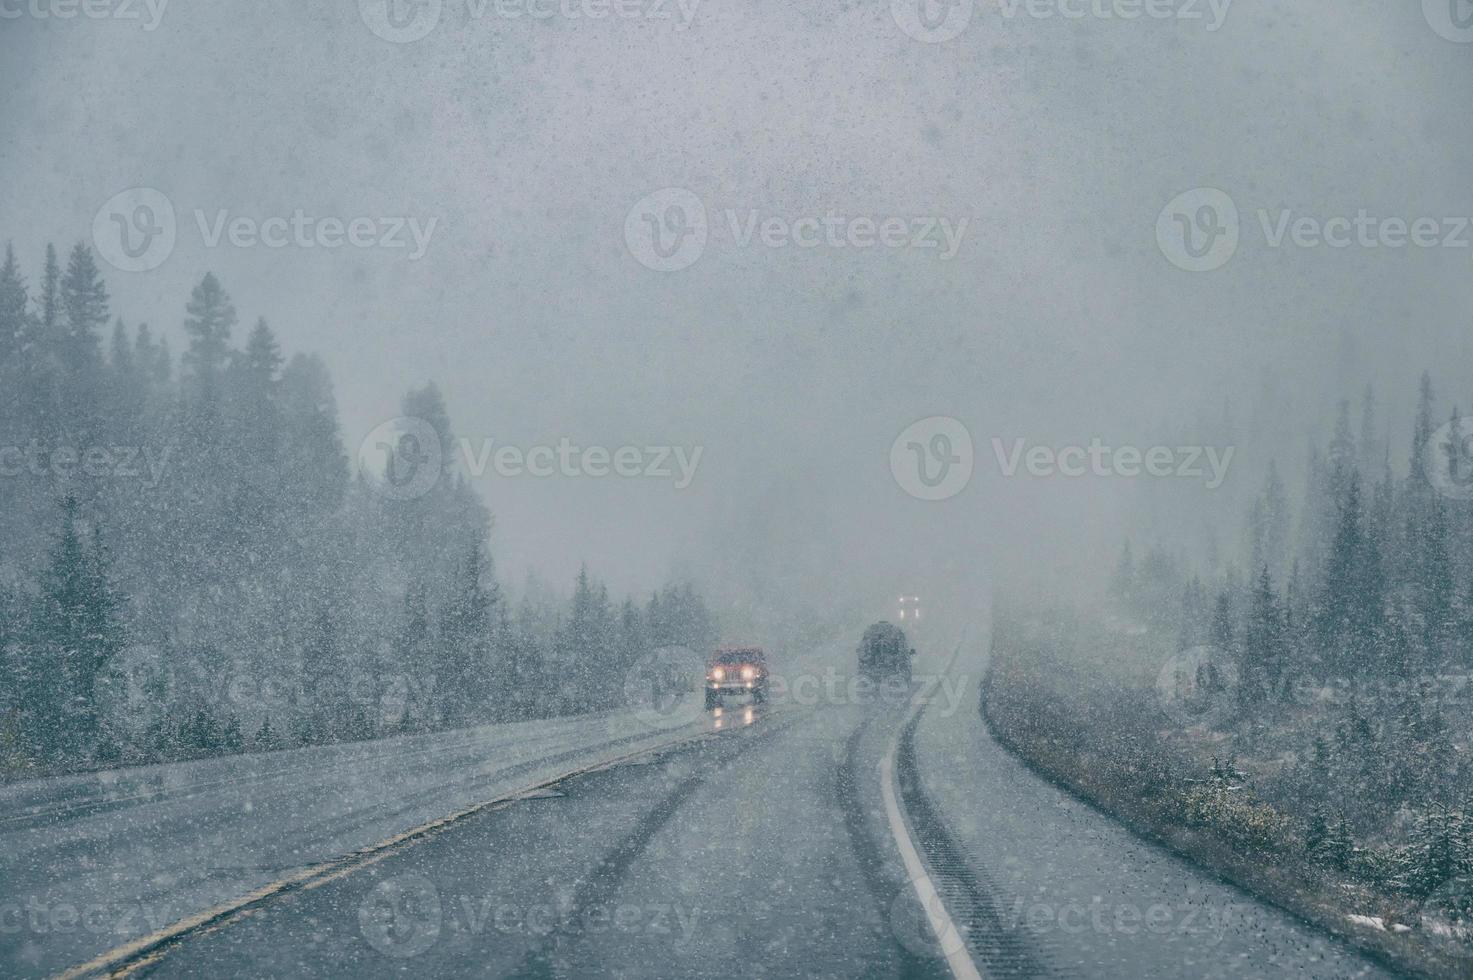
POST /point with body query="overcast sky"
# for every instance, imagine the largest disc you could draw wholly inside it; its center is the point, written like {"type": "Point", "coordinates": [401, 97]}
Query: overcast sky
{"type": "Point", "coordinates": [527, 141]}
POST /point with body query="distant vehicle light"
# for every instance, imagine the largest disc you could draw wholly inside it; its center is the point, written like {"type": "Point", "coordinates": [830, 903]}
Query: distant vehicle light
{"type": "Point", "coordinates": [718, 674]}
{"type": "Point", "coordinates": [748, 672]}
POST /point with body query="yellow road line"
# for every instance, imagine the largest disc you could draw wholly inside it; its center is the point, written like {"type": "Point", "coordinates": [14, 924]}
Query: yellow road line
{"type": "Point", "coordinates": [125, 959]}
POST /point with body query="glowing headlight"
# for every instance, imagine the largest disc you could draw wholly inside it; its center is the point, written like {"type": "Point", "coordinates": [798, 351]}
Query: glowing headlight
{"type": "Point", "coordinates": [748, 672]}
{"type": "Point", "coordinates": [718, 674]}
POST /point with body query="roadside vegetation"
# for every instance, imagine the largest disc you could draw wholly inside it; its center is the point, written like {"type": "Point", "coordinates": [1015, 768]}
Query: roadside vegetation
{"type": "Point", "coordinates": [1298, 719]}
{"type": "Point", "coordinates": [190, 566]}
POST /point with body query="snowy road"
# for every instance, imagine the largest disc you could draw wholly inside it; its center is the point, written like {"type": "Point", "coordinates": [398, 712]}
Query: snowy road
{"type": "Point", "coordinates": [91, 862]}
{"type": "Point", "coordinates": [761, 848]}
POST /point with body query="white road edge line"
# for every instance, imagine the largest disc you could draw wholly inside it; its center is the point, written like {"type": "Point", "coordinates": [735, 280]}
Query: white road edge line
{"type": "Point", "coordinates": [946, 932]}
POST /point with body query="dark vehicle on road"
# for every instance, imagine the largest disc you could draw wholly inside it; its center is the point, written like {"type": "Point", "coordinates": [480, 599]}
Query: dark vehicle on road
{"type": "Point", "coordinates": [885, 652]}
{"type": "Point", "coordinates": [734, 671]}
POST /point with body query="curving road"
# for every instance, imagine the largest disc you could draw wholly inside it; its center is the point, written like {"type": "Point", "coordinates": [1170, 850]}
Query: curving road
{"type": "Point", "coordinates": [823, 838]}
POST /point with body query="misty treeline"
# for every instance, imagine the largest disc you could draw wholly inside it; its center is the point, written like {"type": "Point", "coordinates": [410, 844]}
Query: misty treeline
{"type": "Point", "coordinates": [1365, 573]}
{"type": "Point", "coordinates": [1348, 617]}
{"type": "Point", "coordinates": [189, 565]}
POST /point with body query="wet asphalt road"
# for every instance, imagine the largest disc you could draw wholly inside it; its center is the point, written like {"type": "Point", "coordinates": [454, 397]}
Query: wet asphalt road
{"type": "Point", "coordinates": [764, 848]}
{"type": "Point", "coordinates": [758, 850]}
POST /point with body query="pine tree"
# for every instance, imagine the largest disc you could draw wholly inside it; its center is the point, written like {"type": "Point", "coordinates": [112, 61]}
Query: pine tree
{"type": "Point", "coordinates": [314, 465]}
{"type": "Point", "coordinates": [266, 739]}
{"type": "Point", "coordinates": [231, 739]}
{"type": "Point", "coordinates": [1440, 849]}
{"type": "Point", "coordinates": [467, 659]}
{"type": "Point", "coordinates": [1425, 568]}
{"type": "Point", "coordinates": [1122, 584]}
{"type": "Point", "coordinates": [14, 325]}
{"type": "Point", "coordinates": [84, 303]}
{"type": "Point", "coordinates": [50, 293]}
{"type": "Point", "coordinates": [1268, 524]}
{"type": "Point", "coordinates": [1369, 450]}
{"type": "Point", "coordinates": [1350, 606]}
{"type": "Point", "coordinates": [581, 645]}
{"type": "Point", "coordinates": [74, 631]}
{"type": "Point", "coordinates": [1317, 829]}
{"type": "Point", "coordinates": [40, 388]}
{"type": "Point", "coordinates": [1337, 846]}
{"type": "Point", "coordinates": [325, 676]}
{"type": "Point", "coordinates": [208, 325]}
{"type": "Point", "coordinates": [1221, 633]}
{"type": "Point", "coordinates": [1265, 646]}
{"type": "Point", "coordinates": [263, 354]}
{"type": "Point", "coordinates": [630, 645]}
{"type": "Point", "coordinates": [413, 652]}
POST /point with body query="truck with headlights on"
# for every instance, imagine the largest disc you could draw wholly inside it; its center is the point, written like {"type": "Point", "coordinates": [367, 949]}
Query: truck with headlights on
{"type": "Point", "coordinates": [736, 671]}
